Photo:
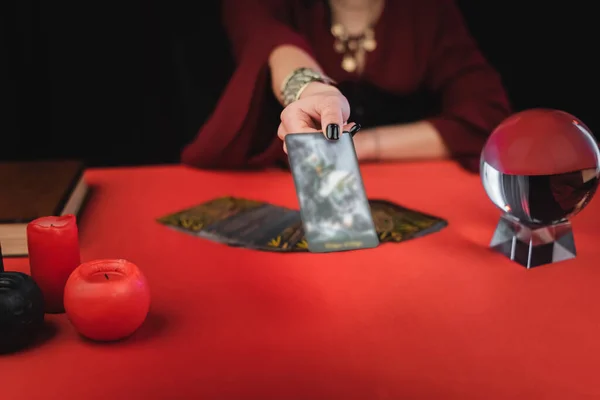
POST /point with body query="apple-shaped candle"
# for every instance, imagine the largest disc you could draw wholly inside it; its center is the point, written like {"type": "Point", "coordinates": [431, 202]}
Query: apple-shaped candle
{"type": "Point", "coordinates": [107, 300]}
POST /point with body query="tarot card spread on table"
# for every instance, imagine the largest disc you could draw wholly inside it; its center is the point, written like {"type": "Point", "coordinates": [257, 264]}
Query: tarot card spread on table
{"type": "Point", "coordinates": [255, 227]}
{"type": "Point", "coordinates": [395, 223]}
{"type": "Point", "coordinates": [200, 218]}
{"type": "Point", "coordinates": [233, 221]}
{"type": "Point", "coordinates": [333, 204]}
{"type": "Point", "coordinates": [209, 221]}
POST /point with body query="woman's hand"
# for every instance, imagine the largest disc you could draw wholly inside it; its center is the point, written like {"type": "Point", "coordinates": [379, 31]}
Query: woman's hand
{"type": "Point", "coordinates": [320, 108]}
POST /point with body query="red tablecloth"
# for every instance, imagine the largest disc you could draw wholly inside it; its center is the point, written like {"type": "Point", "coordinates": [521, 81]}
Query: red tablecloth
{"type": "Point", "coordinates": [441, 317]}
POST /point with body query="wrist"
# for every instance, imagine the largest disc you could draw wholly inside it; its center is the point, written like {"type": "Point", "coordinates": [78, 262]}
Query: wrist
{"type": "Point", "coordinates": [298, 81]}
{"type": "Point", "coordinates": [367, 146]}
{"type": "Point", "coordinates": [316, 88]}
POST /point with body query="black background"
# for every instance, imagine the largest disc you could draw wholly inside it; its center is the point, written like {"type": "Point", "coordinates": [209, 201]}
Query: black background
{"type": "Point", "coordinates": [131, 82]}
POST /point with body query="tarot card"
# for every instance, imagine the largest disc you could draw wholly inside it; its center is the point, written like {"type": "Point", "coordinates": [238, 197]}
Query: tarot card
{"type": "Point", "coordinates": [196, 219]}
{"type": "Point", "coordinates": [276, 227]}
{"type": "Point", "coordinates": [289, 239]}
{"type": "Point", "coordinates": [250, 228]}
{"type": "Point", "coordinates": [395, 223]}
{"type": "Point", "coordinates": [333, 204]}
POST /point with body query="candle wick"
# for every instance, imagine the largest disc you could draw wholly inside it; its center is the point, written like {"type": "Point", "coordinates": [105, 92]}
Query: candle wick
{"type": "Point", "coordinates": [106, 276]}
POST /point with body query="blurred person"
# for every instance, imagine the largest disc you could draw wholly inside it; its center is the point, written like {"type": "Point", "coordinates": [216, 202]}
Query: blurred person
{"type": "Point", "coordinates": [407, 70]}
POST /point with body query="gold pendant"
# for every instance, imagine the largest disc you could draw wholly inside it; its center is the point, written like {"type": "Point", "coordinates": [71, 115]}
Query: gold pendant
{"type": "Point", "coordinates": [349, 64]}
{"type": "Point", "coordinates": [369, 44]}
{"type": "Point", "coordinates": [338, 31]}
{"type": "Point", "coordinates": [339, 46]}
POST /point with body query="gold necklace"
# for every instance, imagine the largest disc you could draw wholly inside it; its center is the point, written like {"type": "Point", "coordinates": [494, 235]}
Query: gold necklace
{"type": "Point", "coordinates": [352, 47]}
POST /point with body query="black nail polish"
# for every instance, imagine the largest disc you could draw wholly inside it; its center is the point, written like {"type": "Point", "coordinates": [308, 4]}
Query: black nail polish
{"type": "Point", "coordinates": [333, 132]}
{"type": "Point", "coordinates": [354, 130]}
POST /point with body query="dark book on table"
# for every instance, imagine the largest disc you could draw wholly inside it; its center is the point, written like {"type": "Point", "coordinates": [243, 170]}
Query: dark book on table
{"type": "Point", "coordinates": [30, 190]}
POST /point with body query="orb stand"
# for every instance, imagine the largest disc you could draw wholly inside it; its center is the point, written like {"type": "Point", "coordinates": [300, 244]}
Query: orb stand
{"type": "Point", "coordinates": [533, 245]}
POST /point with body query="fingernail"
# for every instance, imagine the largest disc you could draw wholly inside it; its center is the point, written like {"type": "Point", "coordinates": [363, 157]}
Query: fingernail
{"type": "Point", "coordinates": [333, 132]}
{"type": "Point", "coordinates": [354, 130]}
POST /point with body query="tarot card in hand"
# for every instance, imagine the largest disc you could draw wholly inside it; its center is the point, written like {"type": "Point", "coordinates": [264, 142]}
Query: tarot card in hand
{"type": "Point", "coordinates": [333, 204]}
{"type": "Point", "coordinates": [395, 223]}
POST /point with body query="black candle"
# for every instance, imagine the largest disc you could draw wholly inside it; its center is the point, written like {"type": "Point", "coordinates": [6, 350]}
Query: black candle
{"type": "Point", "coordinates": [21, 311]}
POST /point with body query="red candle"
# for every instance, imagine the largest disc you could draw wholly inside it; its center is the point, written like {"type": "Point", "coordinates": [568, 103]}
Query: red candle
{"type": "Point", "coordinates": [107, 300]}
{"type": "Point", "coordinates": [53, 245]}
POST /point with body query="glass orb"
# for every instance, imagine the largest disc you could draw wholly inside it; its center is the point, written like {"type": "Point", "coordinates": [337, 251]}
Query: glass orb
{"type": "Point", "coordinates": [540, 166]}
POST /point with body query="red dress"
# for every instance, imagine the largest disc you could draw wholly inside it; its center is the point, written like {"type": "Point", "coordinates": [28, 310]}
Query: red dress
{"type": "Point", "coordinates": [426, 67]}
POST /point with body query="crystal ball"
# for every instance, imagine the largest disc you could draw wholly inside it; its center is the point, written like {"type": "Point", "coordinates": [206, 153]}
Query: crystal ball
{"type": "Point", "coordinates": [540, 166]}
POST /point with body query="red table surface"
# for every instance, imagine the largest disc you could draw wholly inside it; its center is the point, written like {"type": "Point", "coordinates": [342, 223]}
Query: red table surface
{"type": "Point", "coordinates": [440, 317]}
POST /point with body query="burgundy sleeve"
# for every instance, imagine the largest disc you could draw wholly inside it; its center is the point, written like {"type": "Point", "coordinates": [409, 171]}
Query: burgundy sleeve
{"type": "Point", "coordinates": [474, 101]}
{"type": "Point", "coordinates": [242, 131]}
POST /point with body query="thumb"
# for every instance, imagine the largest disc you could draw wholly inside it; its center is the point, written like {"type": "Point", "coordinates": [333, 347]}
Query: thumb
{"type": "Point", "coordinates": [332, 120]}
